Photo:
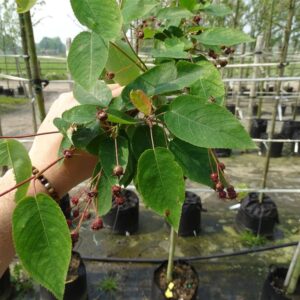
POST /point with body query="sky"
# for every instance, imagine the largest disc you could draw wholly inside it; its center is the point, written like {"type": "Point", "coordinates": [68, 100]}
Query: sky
{"type": "Point", "coordinates": [56, 19]}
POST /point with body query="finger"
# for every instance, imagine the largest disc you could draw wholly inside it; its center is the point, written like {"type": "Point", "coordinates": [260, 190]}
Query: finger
{"type": "Point", "coordinates": [117, 92]}
{"type": "Point", "coordinates": [113, 86]}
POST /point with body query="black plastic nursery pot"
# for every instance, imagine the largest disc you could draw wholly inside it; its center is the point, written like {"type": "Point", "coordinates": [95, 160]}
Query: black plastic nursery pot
{"type": "Point", "coordinates": [185, 279]}
{"type": "Point", "coordinates": [258, 126]}
{"type": "Point", "coordinates": [9, 92]}
{"type": "Point", "coordinates": [297, 109]}
{"type": "Point", "coordinates": [76, 285]}
{"type": "Point", "coordinates": [21, 91]}
{"type": "Point", "coordinates": [190, 222]}
{"type": "Point", "coordinates": [272, 288]}
{"type": "Point", "coordinates": [289, 127]}
{"type": "Point", "coordinates": [231, 108]}
{"type": "Point", "coordinates": [5, 286]}
{"type": "Point", "coordinates": [1, 90]}
{"type": "Point", "coordinates": [276, 148]}
{"type": "Point", "coordinates": [255, 109]}
{"type": "Point", "coordinates": [259, 218]}
{"type": "Point", "coordinates": [223, 152]}
{"type": "Point", "coordinates": [124, 219]}
{"type": "Point", "coordinates": [65, 206]}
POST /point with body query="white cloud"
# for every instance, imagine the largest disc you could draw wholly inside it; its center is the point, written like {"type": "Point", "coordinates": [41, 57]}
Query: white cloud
{"type": "Point", "coordinates": [56, 19]}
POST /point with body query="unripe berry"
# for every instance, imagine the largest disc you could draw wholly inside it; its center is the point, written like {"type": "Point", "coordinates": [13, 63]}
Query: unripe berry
{"type": "Point", "coordinates": [230, 188]}
{"type": "Point", "coordinates": [110, 75]}
{"type": "Point", "coordinates": [97, 224]}
{"type": "Point", "coordinates": [140, 34]}
{"type": "Point", "coordinates": [118, 171]}
{"type": "Point", "coordinates": [69, 222]}
{"type": "Point", "coordinates": [75, 201]}
{"type": "Point", "coordinates": [214, 177]}
{"type": "Point", "coordinates": [68, 153]}
{"type": "Point", "coordinates": [232, 194]}
{"type": "Point", "coordinates": [221, 166]}
{"type": "Point", "coordinates": [219, 186]}
{"type": "Point", "coordinates": [116, 189]}
{"type": "Point", "coordinates": [102, 115]}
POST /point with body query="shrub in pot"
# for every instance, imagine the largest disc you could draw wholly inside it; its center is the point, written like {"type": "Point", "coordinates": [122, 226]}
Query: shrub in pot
{"type": "Point", "coordinates": [141, 136]}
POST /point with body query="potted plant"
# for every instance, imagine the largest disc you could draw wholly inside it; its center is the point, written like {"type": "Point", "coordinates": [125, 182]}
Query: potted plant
{"type": "Point", "coordinates": [176, 106]}
{"type": "Point", "coordinates": [283, 283]}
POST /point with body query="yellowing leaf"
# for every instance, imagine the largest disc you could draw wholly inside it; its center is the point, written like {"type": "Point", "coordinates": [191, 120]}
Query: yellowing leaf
{"type": "Point", "coordinates": [141, 101]}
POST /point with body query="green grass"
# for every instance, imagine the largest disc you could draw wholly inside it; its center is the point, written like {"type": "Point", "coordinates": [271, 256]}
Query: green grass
{"type": "Point", "coordinates": [250, 240]}
{"type": "Point", "coordinates": [109, 285]}
{"type": "Point", "coordinates": [4, 100]}
{"type": "Point", "coordinates": [49, 67]}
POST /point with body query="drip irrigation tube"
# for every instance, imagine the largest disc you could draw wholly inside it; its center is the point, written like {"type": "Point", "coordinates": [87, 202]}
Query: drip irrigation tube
{"type": "Point", "coordinates": [192, 258]}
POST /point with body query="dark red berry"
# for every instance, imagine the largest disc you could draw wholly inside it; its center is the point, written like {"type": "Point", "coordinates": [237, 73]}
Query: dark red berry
{"type": "Point", "coordinates": [74, 237]}
{"type": "Point", "coordinates": [167, 213]}
{"type": "Point", "coordinates": [197, 19]}
{"type": "Point", "coordinates": [230, 188]}
{"type": "Point", "coordinates": [118, 170]}
{"type": "Point", "coordinates": [223, 63]}
{"type": "Point", "coordinates": [223, 47]}
{"type": "Point", "coordinates": [214, 177]}
{"type": "Point", "coordinates": [87, 215]}
{"type": "Point", "coordinates": [140, 34]}
{"type": "Point", "coordinates": [97, 224]}
{"type": "Point", "coordinates": [221, 166]}
{"type": "Point", "coordinates": [222, 195]}
{"type": "Point", "coordinates": [75, 200]}
{"type": "Point", "coordinates": [110, 75]}
{"type": "Point", "coordinates": [69, 222]}
{"type": "Point", "coordinates": [219, 186]}
{"type": "Point", "coordinates": [116, 189]}
{"type": "Point", "coordinates": [119, 200]}
{"type": "Point", "coordinates": [227, 51]}
{"type": "Point", "coordinates": [92, 194]}
{"type": "Point", "coordinates": [102, 115]}
{"type": "Point", "coordinates": [144, 22]}
{"type": "Point", "coordinates": [232, 194]}
{"type": "Point", "coordinates": [75, 213]}
{"type": "Point", "coordinates": [212, 54]}
{"type": "Point", "coordinates": [68, 153]}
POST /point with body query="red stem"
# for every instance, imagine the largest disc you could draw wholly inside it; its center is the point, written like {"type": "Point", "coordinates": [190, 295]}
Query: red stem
{"type": "Point", "coordinates": [27, 136]}
{"type": "Point", "coordinates": [32, 177]}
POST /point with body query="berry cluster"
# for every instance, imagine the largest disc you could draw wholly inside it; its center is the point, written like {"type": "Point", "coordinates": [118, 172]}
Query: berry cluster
{"type": "Point", "coordinates": [221, 62]}
{"type": "Point", "coordinates": [216, 178]}
{"type": "Point", "coordinates": [119, 199]}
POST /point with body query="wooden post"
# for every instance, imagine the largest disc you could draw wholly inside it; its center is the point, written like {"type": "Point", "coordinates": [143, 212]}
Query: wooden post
{"type": "Point", "coordinates": [28, 70]}
{"type": "Point", "coordinates": [283, 57]}
{"type": "Point", "coordinates": [37, 84]}
{"type": "Point", "coordinates": [257, 56]}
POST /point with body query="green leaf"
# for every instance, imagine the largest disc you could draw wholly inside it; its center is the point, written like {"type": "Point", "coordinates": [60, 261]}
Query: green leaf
{"type": "Point", "coordinates": [101, 16]}
{"type": "Point", "coordinates": [104, 185]}
{"type": "Point", "coordinates": [210, 84]}
{"type": "Point", "coordinates": [220, 36]}
{"type": "Point", "coordinates": [107, 155]}
{"type": "Point", "coordinates": [141, 101]}
{"type": "Point", "coordinates": [217, 10]}
{"type": "Point", "coordinates": [64, 128]}
{"type": "Point", "coordinates": [173, 13]}
{"type": "Point", "coordinates": [161, 184]}
{"type": "Point", "coordinates": [193, 160]}
{"type": "Point", "coordinates": [42, 241]}
{"type": "Point", "coordinates": [83, 135]}
{"type": "Point", "coordinates": [130, 171]}
{"type": "Point", "coordinates": [119, 117]}
{"type": "Point", "coordinates": [136, 9]}
{"type": "Point", "coordinates": [188, 4]}
{"type": "Point", "coordinates": [122, 62]}
{"type": "Point", "coordinates": [87, 58]}
{"type": "Point", "coordinates": [81, 114]}
{"type": "Point", "coordinates": [206, 125]}
{"type": "Point", "coordinates": [13, 154]}
{"type": "Point", "coordinates": [141, 139]}
{"type": "Point", "coordinates": [25, 5]}
{"type": "Point", "coordinates": [99, 94]}
{"type": "Point", "coordinates": [165, 78]}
